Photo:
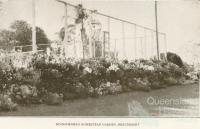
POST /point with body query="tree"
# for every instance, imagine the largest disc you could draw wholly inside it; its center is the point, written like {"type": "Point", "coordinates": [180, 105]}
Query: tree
{"type": "Point", "coordinates": [6, 39]}
{"type": "Point", "coordinates": [41, 37]}
{"type": "Point", "coordinates": [174, 58]}
{"type": "Point", "coordinates": [6, 36]}
{"type": "Point", "coordinates": [23, 33]}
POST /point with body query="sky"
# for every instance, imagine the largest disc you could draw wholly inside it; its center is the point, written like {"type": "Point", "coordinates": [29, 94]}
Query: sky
{"type": "Point", "coordinates": [179, 19]}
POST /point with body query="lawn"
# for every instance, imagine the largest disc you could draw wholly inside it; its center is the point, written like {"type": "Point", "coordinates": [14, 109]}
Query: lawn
{"type": "Point", "coordinates": [116, 105]}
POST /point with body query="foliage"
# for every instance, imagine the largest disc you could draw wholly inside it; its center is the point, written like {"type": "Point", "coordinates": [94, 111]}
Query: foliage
{"type": "Point", "coordinates": [81, 14]}
{"type": "Point", "coordinates": [174, 58]}
{"type": "Point", "coordinates": [61, 33]}
{"type": "Point", "coordinates": [41, 37]}
{"type": "Point", "coordinates": [60, 75]}
{"type": "Point", "coordinates": [50, 78]}
{"type": "Point", "coordinates": [6, 39]}
{"type": "Point", "coordinates": [6, 76]}
{"type": "Point", "coordinates": [6, 103]}
{"type": "Point", "coordinates": [21, 34]}
{"type": "Point", "coordinates": [54, 98]}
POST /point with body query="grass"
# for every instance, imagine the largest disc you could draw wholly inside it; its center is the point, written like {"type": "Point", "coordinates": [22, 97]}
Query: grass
{"type": "Point", "coordinates": [111, 105]}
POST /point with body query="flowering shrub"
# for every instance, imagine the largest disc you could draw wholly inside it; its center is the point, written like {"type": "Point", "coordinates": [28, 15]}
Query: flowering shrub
{"type": "Point", "coordinates": [51, 77]}
{"type": "Point", "coordinates": [193, 75]}
{"type": "Point", "coordinates": [6, 103]}
{"type": "Point", "coordinates": [27, 76]}
{"type": "Point", "coordinates": [6, 75]}
{"type": "Point", "coordinates": [54, 98]}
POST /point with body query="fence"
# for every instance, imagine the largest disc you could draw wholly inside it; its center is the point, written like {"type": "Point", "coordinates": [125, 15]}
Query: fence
{"type": "Point", "coordinates": [117, 37]}
{"type": "Point", "coordinates": [28, 48]}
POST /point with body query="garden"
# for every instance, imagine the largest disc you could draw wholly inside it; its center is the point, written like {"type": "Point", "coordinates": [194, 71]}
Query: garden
{"type": "Point", "coordinates": [51, 78]}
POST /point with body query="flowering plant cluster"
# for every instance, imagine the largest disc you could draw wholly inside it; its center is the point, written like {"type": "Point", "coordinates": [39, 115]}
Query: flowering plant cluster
{"type": "Point", "coordinates": [49, 78]}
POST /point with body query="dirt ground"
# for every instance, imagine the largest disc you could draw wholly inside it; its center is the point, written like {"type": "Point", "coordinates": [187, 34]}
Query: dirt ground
{"type": "Point", "coordinates": [125, 104]}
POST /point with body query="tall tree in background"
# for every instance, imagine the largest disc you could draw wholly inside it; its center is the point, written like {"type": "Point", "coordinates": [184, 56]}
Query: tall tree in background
{"type": "Point", "coordinates": [6, 39]}
{"type": "Point", "coordinates": [41, 37]}
{"type": "Point", "coordinates": [23, 33]}
{"type": "Point", "coordinates": [6, 36]}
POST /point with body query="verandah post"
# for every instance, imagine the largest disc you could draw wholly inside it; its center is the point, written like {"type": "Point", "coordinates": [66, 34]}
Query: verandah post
{"type": "Point", "coordinates": [65, 41]}
{"type": "Point", "coordinates": [34, 46]}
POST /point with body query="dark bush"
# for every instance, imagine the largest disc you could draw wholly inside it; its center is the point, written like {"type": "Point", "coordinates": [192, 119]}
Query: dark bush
{"type": "Point", "coordinates": [174, 58]}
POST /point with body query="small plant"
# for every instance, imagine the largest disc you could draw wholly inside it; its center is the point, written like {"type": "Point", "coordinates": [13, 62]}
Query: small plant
{"type": "Point", "coordinates": [6, 103]}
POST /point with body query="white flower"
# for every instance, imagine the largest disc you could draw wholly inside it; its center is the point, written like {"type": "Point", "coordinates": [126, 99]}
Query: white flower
{"type": "Point", "coordinates": [89, 70]}
{"type": "Point", "coordinates": [147, 67]}
{"type": "Point", "coordinates": [192, 75]}
{"type": "Point", "coordinates": [25, 91]}
{"type": "Point", "coordinates": [91, 89]}
{"type": "Point", "coordinates": [108, 84]}
{"type": "Point", "coordinates": [113, 67]}
{"type": "Point", "coordinates": [48, 51]}
{"type": "Point", "coordinates": [151, 68]}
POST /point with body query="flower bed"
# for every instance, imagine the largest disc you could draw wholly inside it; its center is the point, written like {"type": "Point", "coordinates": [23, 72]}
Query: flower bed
{"type": "Point", "coordinates": [52, 78]}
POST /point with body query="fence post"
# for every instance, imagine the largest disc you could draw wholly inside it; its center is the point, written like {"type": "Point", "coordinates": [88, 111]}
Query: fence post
{"type": "Point", "coordinates": [102, 47]}
{"type": "Point", "coordinates": [135, 41]}
{"type": "Point", "coordinates": [104, 44]}
{"type": "Point", "coordinates": [145, 45]}
{"type": "Point", "coordinates": [165, 44]}
{"type": "Point", "coordinates": [74, 44]}
{"type": "Point", "coordinates": [109, 36]}
{"type": "Point", "coordinates": [91, 47]}
{"type": "Point", "coordinates": [141, 43]}
{"type": "Point", "coordinates": [123, 38]}
{"type": "Point", "coordinates": [94, 49]}
{"type": "Point", "coordinates": [152, 42]}
{"type": "Point", "coordinates": [115, 41]}
{"type": "Point", "coordinates": [199, 90]}
{"type": "Point", "coordinates": [157, 38]}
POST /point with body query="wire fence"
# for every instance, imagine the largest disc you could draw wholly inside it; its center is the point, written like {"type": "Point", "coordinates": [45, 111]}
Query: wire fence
{"type": "Point", "coordinates": [119, 38]}
{"type": "Point", "coordinates": [28, 48]}
{"type": "Point", "coordinates": [114, 37]}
